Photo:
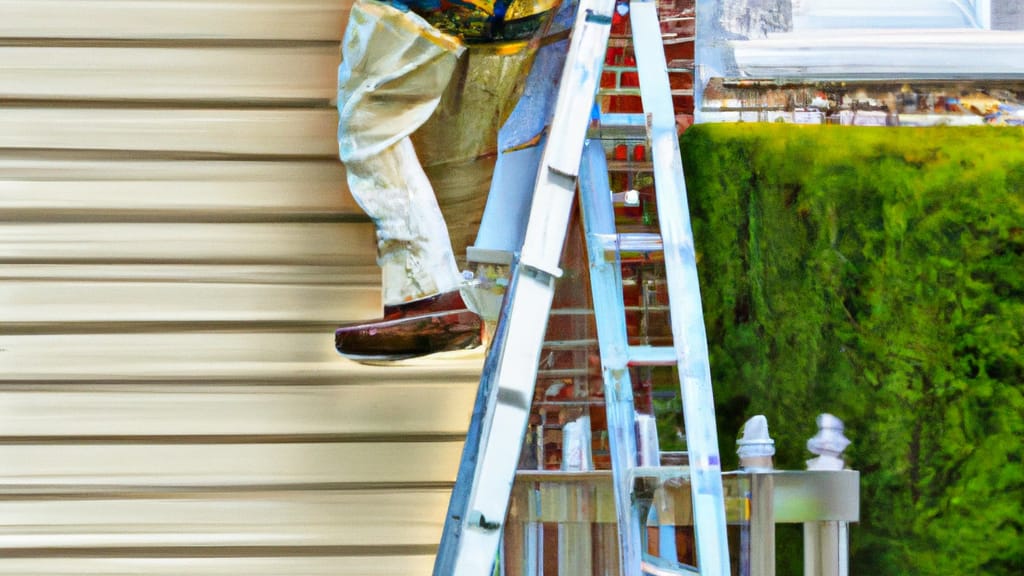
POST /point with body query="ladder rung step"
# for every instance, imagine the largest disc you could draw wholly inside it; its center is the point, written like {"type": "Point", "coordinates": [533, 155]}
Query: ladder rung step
{"type": "Point", "coordinates": [631, 132]}
{"type": "Point", "coordinates": [619, 68]}
{"type": "Point", "coordinates": [652, 356]}
{"type": "Point", "coordinates": [563, 373]}
{"type": "Point", "coordinates": [620, 127]}
{"type": "Point", "coordinates": [683, 92]}
{"type": "Point", "coordinates": [568, 403]}
{"type": "Point", "coordinates": [572, 312]}
{"type": "Point", "coordinates": [679, 39]}
{"type": "Point", "coordinates": [649, 308]}
{"type": "Point", "coordinates": [619, 119]}
{"type": "Point", "coordinates": [569, 344]}
{"type": "Point", "coordinates": [619, 91]}
{"type": "Point", "coordinates": [632, 242]}
{"type": "Point", "coordinates": [628, 166]}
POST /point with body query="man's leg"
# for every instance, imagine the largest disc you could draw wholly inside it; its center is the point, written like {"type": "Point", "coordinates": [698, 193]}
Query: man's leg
{"type": "Point", "coordinates": [413, 249]}
{"type": "Point", "coordinates": [395, 68]}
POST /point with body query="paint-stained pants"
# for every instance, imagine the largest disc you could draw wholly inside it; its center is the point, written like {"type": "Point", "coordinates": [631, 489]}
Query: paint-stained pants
{"type": "Point", "coordinates": [395, 68]}
{"type": "Point", "coordinates": [401, 79]}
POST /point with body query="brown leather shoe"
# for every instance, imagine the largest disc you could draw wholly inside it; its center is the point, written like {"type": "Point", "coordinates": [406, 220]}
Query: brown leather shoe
{"type": "Point", "coordinates": [439, 323]}
{"type": "Point", "coordinates": [444, 301]}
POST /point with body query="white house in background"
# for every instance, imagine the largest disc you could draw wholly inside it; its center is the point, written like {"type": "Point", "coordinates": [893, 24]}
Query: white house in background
{"type": "Point", "coordinates": [807, 40]}
{"type": "Point", "coordinates": [982, 14]}
{"type": "Point", "coordinates": [838, 14]}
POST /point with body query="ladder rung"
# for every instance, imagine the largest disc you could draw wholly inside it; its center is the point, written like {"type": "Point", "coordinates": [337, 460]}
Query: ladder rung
{"type": "Point", "coordinates": [635, 91]}
{"type": "Point", "coordinates": [628, 166]}
{"type": "Point", "coordinates": [648, 308]}
{"type": "Point", "coordinates": [569, 344]}
{"type": "Point", "coordinates": [630, 242]}
{"type": "Point", "coordinates": [622, 120]}
{"type": "Point", "coordinates": [563, 373]}
{"type": "Point", "coordinates": [620, 127]}
{"type": "Point", "coordinates": [568, 403]}
{"type": "Point", "coordinates": [652, 356]}
{"type": "Point", "coordinates": [572, 312]}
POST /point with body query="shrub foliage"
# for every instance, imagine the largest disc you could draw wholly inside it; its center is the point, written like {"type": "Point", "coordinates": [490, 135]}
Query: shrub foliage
{"type": "Point", "coordinates": [877, 274]}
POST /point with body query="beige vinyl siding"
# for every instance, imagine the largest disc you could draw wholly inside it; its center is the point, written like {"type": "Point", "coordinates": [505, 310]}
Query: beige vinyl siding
{"type": "Point", "coordinates": [175, 20]}
{"type": "Point", "coordinates": [176, 248]}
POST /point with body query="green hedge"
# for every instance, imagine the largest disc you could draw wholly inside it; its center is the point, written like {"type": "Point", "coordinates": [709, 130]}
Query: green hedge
{"type": "Point", "coordinates": [877, 274]}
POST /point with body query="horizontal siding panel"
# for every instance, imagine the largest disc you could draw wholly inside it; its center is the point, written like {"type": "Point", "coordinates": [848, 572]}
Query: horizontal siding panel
{"type": "Point", "coordinates": [174, 19]}
{"type": "Point", "coordinates": [65, 467]}
{"type": "Point", "coordinates": [362, 565]}
{"type": "Point", "coordinates": [82, 301]}
{"type": "Point", "coordinates": [370, 408]}
{"type": "Point", "coordinates": [251, 356]}
{"type": "Point", "coordinates": [278, 243]}
{"type": "Point", "coordinates": [367, 275]}
{"type": "Point", "coordinates": [55, 188]}
{"type": "Point", "coordinates": [198, 74]}
{"type": "Point", "coordinates": [260, 132]}
{"type": "Point", "coordinates": [311, 518]}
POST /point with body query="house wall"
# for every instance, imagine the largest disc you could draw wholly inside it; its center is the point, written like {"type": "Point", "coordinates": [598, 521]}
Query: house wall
{"type": "Point", "coordinates": [1007, 15]}
{"type": "Point", "coordinates": [176, 248]}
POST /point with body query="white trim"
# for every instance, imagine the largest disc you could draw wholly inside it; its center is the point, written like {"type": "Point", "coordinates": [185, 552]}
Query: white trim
{"type": "Point", "coordinates": [864, 54]}
{"type": "Point", "coordinates": [884, 14]}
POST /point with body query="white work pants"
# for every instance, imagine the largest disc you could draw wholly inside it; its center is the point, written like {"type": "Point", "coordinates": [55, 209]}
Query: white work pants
{"type": "Point", "coordinates": [394, 69]}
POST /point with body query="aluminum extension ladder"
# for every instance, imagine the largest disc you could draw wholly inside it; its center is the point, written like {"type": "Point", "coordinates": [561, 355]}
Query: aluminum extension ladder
{"type": "Point", "coordinates": [480, 499]}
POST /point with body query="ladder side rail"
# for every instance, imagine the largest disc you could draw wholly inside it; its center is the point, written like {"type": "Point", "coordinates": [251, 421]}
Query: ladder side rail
{"type": "Point", "coordinates": [687, 318]}
{"type": "Point", "coordinates": [458, 504]}
{"type": "Point", "coordinates": [556, 182]}
{"type": "Point", "coordinates": [609, 313]}
{"type": "Point", "coordinates": [504, 425]}
{"type": "Point", "coordinates": [481, 499]}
